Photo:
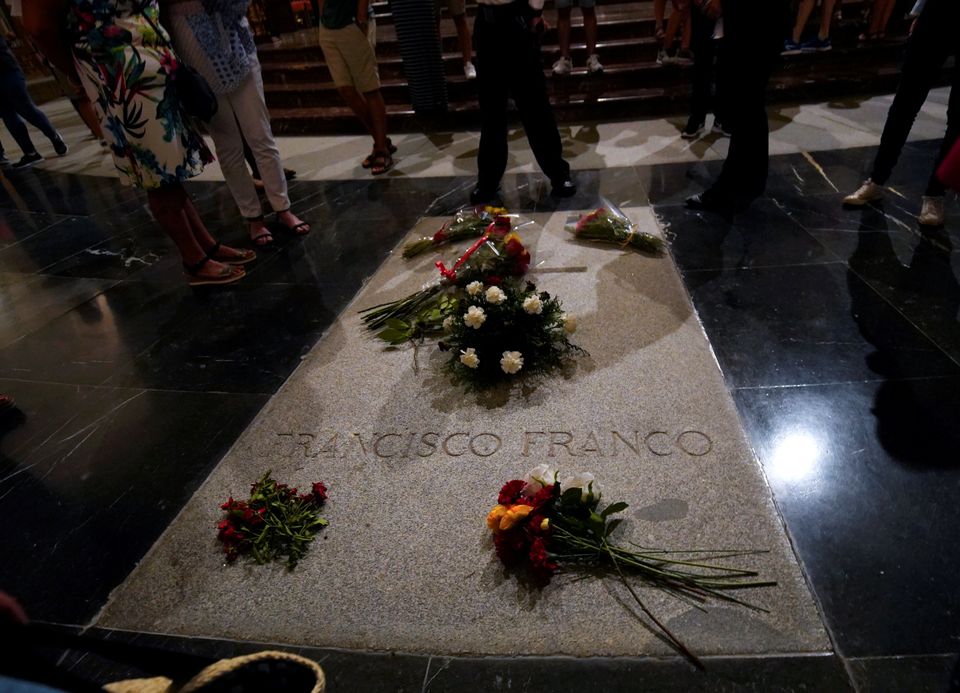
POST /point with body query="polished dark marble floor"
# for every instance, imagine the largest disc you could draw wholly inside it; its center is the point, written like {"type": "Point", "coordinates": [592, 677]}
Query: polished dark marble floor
{"type": "Point", "coordinates": [837, 331]}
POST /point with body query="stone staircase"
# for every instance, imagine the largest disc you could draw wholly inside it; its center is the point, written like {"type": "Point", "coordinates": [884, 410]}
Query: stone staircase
{"type": "Point", "coordinates": [303, 100]}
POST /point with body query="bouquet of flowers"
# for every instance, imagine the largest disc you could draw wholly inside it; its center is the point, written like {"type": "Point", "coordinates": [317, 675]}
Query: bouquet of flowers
{"type": "Point", "coordinates": [498, 253]}
{"type": "Point", "coordinates": [274, 523]}
{"type": "Point", "coordinates": [546, 525]}
{"type": "Point", "coordinates": [607, 224]}
{"type": "Point", "coordinates": [467, 223]}
{"type": "Point", "coordinates": [499, 329]}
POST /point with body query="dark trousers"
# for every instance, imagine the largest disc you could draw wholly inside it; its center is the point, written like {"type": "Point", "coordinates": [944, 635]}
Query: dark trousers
{"type": "Point", "coordinates": [17, 106]}
{"type": "Point", "coordinates": [509, 65]}
{"type": "Point", "coordinates": [708, 91]}
{"type": "Point", "coordinates": [744, 65]}
{"type": "Point", "coordinates": [934, 39]}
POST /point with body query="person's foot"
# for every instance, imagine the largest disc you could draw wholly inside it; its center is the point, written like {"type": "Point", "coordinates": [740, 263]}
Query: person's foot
{"type": "Point", "coordinates": [232, 256]}
{"type": "Point", "coordinates": [260, 233]}
{"type": "Point", "coordinates": [563, 66]}
{"type": "Point", "coordinates": [4, 161]}
{"type": "Point", "coordinates": [594, 67]}
{"type": "Point", "coordinates": [693, 129]}
{"type": "Point", "coordinates": [209, 272]}
{"type": "Point", "coordinates": [666, 59]}
{"type": "Point", "coordinates": [932, 211]}
{"type": "Point", "coordinates": [28, 160]}
{"type": "Point", "coordinates": [866, 193]}
{"type": "Point", "coordinates": [816, 45]}
{"type": "Point", "coordinates": [469, 71]}
{"type": "Point", "coordinates": [293, 223]}
{"type": "Point", "coordinates": [6, 405]}
{"type": "Point", "coordinates": [482, 196]}
{"type": "Point", "coordinates": [791, 47]}
{"type": "Point", "coordinates": [368, 162]}
{"type": "Point", "coordinates": [718, 128]}
{"type": "Point", "coordinates": [684, 56]}
{"type": "Point", "coordinates": [661, 54]}
{"type": "Point", "coordinates": [59, 146]}
{"type": "Point", "coordinates": [724, 204]}
{"type": "Point", "coordinates": [289, 173]}
{"type": "Point", "coordinates": [563, 188]}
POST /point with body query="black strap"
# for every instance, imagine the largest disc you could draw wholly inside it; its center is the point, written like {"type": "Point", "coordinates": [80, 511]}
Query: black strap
{"type": "Point", "coordinates": [194, 267]}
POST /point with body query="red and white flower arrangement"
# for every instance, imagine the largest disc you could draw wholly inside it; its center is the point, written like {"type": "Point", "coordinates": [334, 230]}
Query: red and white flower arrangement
{"type": "Point", "coordinates": [607, 224]}
{"type": "Point", "coordinates": [543, 525]}
{"type": "Point", "coordinates": [467, 223]}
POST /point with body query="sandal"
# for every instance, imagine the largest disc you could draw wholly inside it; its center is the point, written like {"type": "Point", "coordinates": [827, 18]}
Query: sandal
{"type": "Point", "coordinates": [242, 257]}
{"type": "Point", "coordinates": [300, 229]}
{"type": "Point", "coordinates": [368, 162]}
{"type": "Point", "coordinates": [229, 275]}
{"type": "Point", "coordinates": [262, 240]}
{"type": "Point", "coordinates": [381, 164]}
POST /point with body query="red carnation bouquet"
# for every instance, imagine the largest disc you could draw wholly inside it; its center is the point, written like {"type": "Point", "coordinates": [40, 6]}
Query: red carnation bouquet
{"type": "Point", "coordinates": [467, 223]}
{"type": "Point", "coordinates": [543, 526]}
{"type": "Point", "coordinates": [274, 523]}
{"type": "Point", "coordinates": [607, 224]}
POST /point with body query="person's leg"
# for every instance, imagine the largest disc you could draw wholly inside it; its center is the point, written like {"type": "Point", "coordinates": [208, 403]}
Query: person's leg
{"type": "Point", "coordinates": [23, 104]}
{"type": "Point", "coordinates": [826, 19]}
{"type": "Point", "coordinates": [169, 205]}
{"type": "Point", "coordinates": [589, 28]}
{"type": "Point", "coordinates": [84, 108]}
{"type": "Point", "coordinates": [378, 120]}
{"type": "Point", "coordinates": [463, 36]}
{"type": "Point", "coordinates": [529, 91]}
{"type": "Point", "coordinates": [249, 157]}
{"type": "Point", "coordinates": [254, 120]}
{"type": "Point", "coordinates": [703, 55]}
{"type": "Point", "coordinates": [224, 128]}
{"type": "Point", "coordinates": [492, 90]}
{"type": "Point", "coordinates": [16, 126]}
{"type": "Point", "coordinates": [673, 24]}
{"type": "Point", "coordinates": [358, 104]}
{"type": "Point", "coordinates": [687, 36]}
{"type": "Point", "coordinates": [927, 50]}
{"type": "Point", "coordinates": [563, 31]}
{"type": "Point", "coordinates": [659, 12]}
{"type": "Point", "coordinates": [803, 15]}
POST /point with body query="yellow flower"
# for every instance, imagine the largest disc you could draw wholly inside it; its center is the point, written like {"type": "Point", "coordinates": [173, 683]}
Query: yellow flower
{"type": "Point", "coordinates": [512, 236]}
{"type": "Point", "coordinates": [513, 516]}
{"type": "Point", "coordinates": [493, 518]}
{"type": "Point", "coordinates": [545, 525]}
{"type": "Point", "coordinates": [495, 211]}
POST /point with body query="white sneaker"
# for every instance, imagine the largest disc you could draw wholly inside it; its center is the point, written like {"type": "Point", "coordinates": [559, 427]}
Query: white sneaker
{"type": "Point", "coordinates": [469, 71]}
{"type": "Point", "coordinates": [931, 213]}
{"type": "Point", "coordinates": [593, 64]}
{"type": "Point", "coordinates": [563, 66]}
{"type": "Point", "coordinates": [868, 192]}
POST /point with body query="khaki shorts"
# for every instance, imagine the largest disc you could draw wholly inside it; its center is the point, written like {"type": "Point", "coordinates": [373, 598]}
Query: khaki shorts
{"type": "Point", "coordinates": [350, 58]}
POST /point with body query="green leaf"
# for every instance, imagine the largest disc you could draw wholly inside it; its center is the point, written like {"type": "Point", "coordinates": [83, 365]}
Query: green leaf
{"type": "Point", "coordinates": [572, 496]}
{"type": "Point", "coordinates": [614, 508]}
{"type": "Point", "coordinates": [612, 525]}
{"type": "Point", "coordinates": [393, 336]}
{"type": "Point", "coordinates": [397, 324]}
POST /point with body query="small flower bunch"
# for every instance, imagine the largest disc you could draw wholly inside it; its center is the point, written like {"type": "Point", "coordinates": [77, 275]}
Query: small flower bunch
{"type": "Point", "coordinates": [544, 525]}
{"type": "Point", "coordinates": [499, 330]}
{"type": "Point", "coordinates": [467, 223]}
{"type": "Point", "coordinates": [274, 523]}
{"type": "Point", "coordinates": [607, 224]}
{"type": "Point", "coordinates": [496, 255]}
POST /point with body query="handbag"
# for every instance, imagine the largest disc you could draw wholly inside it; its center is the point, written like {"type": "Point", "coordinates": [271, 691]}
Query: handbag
{"type": "Point", "coordinates": [194, 92]}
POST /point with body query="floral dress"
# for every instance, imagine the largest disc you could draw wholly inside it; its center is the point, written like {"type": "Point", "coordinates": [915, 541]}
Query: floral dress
{"type": "Point", "coordinates": [128, 71]}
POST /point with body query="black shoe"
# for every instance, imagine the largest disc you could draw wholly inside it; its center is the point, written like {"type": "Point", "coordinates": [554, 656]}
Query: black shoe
{"type": "Point", "coordinates": [719, 203]}
{"type": "Point", "coordinates": [59, 146]}
{"type": "Point", "coordinates": [479, 196]}
{"type": "Point", "coordinates": [564, 188]}
{"type": "Point", "coordinates": [693, 129]}
{"type": "Point", "coordinates": [28, 160]}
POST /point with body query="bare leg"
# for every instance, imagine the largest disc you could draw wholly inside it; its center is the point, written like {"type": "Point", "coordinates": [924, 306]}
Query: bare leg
{"type": "Point", "coordinates": [358, 104]}
{"type": "Point", "coordinates": [166, 205]}
{"type": "Point", "coordinates": [803, 14]}
{"type": "Point", "coordinates": [659, 10]}
{"type": "Point", "coordinates": [377, 109]}
{"type": "Point", "coordinates": [563, 31]}
{"type": "Point", "coordinates": [687, 33]}
{"type": "Point", "coordinates": [85, 110]}
{"type": "Point", "coordinates": [201, 235]}
{"type": "Point", "coordinates": [825, 19]}
{"type": "Point", "coordinates": [463, 34]}
{"type": "Point", "coordinates": [673, 24]}
{"type": "Point", "coordinates": [589, 29]}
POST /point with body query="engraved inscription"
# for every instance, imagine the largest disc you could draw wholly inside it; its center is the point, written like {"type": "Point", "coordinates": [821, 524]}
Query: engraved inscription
{"type": "Point", "coordinates": [663, 443]}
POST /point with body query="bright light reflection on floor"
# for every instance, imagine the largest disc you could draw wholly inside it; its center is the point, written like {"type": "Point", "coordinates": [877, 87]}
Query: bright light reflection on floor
{"type": "Point", "coordinates": [795, 456]}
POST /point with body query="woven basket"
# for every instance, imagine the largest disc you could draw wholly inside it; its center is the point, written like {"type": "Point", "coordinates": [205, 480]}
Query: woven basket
{"type": "Point", "coordinates": [264, 671]}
